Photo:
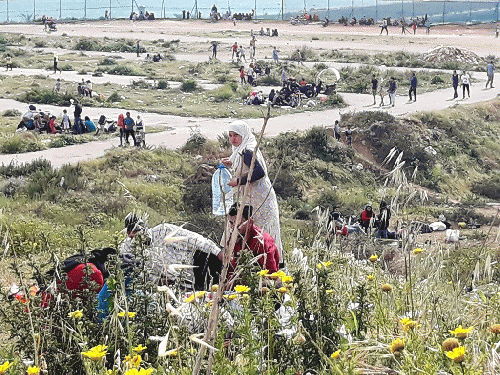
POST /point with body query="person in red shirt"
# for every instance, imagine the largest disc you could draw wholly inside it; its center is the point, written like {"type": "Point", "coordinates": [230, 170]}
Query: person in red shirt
{"type": "Point", "coordinates": [121, 125]}
{"type": "Point", "coordinates": [52, 125]}
{"type": "Point", "coordinates": [235, 50]}
{"type": "Point", "coordinates": [366, 217]}
{"type": "Point", "coordinates": [254, 239]}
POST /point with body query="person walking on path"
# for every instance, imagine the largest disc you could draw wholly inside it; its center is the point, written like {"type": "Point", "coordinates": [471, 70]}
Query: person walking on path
{"type": "Point", "coordinates": [129, 128]}
{"type": "Point", "coordinates": [8, 59]}
{"type": "Point", "coordinates": [241, 54]}
{"type": "Point", "coordinates": [392, 91]}
{"type": "Point", "coordinates": [275, 55]}
{"type": "Point", "coordinates": [234, 48]}
{"type": "Point", "coordinates": [490, 71]}
{"type": "Point", "coordinates": [262, 195]}
{"type": "Point", "coordinates": [427, 27]}
{"type": "Point", "coordinates": [384, 27]}
{"type": "Point", "coordinates": [414, 27]}
{"type": "Point", "coordinates": [465, 78]}
{"type": "Point", "coordinates": [374, 88]}
{"type": "Point", "coordinates": [381, 92]}
{"type": "Point", "coordinates": [56, 61]}
{"type": "Point", "coordinates": [413, 87]}
{"type": "Point", "coordinates": [138, 49]}
{"type": "Point", "coordinates": [243, 80]}
{"type": "Point", "coordinates": [214, 50]}
{"type": "Point", "coordinates": [454, 80]}
{"type": "Point", "coordinates": [336, 130]}
{"type": "Point", "coordinates": [252, 48]}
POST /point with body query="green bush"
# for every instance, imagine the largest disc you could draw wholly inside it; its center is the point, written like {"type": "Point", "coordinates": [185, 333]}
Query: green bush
{"type": "Point", "coordinates": [44, 96]}
{"type": "Point", "coordinates": [269, 80]}
{"type": "Point", "coordinates": [66, 67]}
{"type": "Point", "coordinates": [40, 44]}
{"type": "Point", "coordinates": [107, 61]}
{"type": "Point", "coordinates": [303, 53]}
{"type": "Point", "coordinates": [489, 187]}
{"type": "Point", "coordinates": [223, 93]}
{"type": "Point", "coordinates": [189, 85]}
{"type": "Point", "coordinates": [26, 169]}
{"type": "Point", "coordinates": [11, 113]}
{"type": "Point", "coordinates": [198, 198]}
{"type": "Point", "coordinates": [115, 97]}
{"type": "Point", "coordinates": [123, 70]}
{"type": "Point", "coordinates": [336, 100]}
{"type": "Point", "coordinates": [436, 79]}
{"type": "Point", "coordinates": [87, 45]}
{"type": "Point", "coordinates": [162, 85]}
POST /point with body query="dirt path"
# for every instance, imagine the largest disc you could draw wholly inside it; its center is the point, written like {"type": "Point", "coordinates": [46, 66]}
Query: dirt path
{"type": "Point", "coordinates": [183, 127]}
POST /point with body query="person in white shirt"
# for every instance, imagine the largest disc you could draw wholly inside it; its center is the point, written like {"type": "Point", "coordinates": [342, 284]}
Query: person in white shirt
{"type": "Point", "coordinates": [465, 78]}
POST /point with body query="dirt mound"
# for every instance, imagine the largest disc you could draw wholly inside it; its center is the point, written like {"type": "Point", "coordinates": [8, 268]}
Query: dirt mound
{"type": "Point", "coordinates": [451, 54]}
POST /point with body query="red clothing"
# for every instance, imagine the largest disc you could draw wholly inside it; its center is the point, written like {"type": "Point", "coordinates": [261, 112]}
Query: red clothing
{"type": "Point", "coordinates": [259, 242]}
{"type": "Point", "coordinates": [52, 126]}
{"type": "Point", "coordinates": [366, 216]}
{"type": "Point", "coordinates": [121, 123]}
{"type": "Point", "coordinates": [242, 73]}
{"type": "Point", "coordinates": [235, 47]}
{"type": "Point", "coordinates": [76, 276]}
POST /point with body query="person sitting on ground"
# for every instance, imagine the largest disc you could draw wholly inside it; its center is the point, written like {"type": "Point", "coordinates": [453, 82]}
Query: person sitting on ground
{"type": "Point", "coordinates": [251, 238]}
{"type": "Point", "coordinates": [303, 82]}
{"type": "Point", "coordinates": [27, 119]}
{"type": "Point", "coordinates": [168, 245]}
{"type": "Point", "coordinates": [383, 220]}
{"type": "Point", "coordinates": [272, 94]}
{"type": "Point", "coordinates": [53, 128]}
{"type": "Point", "coordinates": [262, 32]}
{"type": "Point", "coordinates": [367, 217]}
{"type": "Point", "coordinates": [89, 125]}
{"type": "Point", "coordinates": [57, 86]}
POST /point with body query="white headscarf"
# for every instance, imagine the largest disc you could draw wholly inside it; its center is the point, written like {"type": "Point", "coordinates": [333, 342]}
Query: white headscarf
{"type": "Point", "coordinates": [248, 142]}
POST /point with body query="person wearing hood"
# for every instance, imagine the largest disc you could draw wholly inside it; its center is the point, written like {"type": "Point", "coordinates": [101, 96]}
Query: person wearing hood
{"type": "Point", "coordinates": [383, 220]}
{"type": "Point", "coordinates": [262, 195]}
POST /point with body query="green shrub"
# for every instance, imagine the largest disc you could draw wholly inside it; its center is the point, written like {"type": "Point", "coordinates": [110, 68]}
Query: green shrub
{"type": "Point", "coordinates": [11, 113]}
{"type": "Point", "coordinates": [107, 61]}
{"type": "Point", "coordinates": [336, 100]}
{"type": "Point", "coordinates": [189, 85]}
{"type": "Point", "coordinates": [320, 66]}
{"type": "Point", "coordinates": [162, 85]}
{"type": "Point", "coordinates": [66, 67]}
{"type": "Point", "coordinates": [436, 79]}
{"type": "Point", "coordinates": [223, 93]}
{"type": "Point", "coordinates": [40, 44]}
{"type": "Point", "coordinates": [197, 198]}
{"type": "Point", "coordinates": [123, 70]}
{"type": "Point", "coordinates": [16, 170]}
{"type": "Point", "coordinates": [115, 97]}
{"type": "Point", "coordinates": [44, 96]}
{"type": "Point", "coordinates": [87, 45]}
{"type": "Point", "coordinates": [303, 53]}
{"type": "Point", "coordinates": [270, 80]}
{"type": "Point", "coordinates": [489, 187]}
{"type": "Point", "coordinates": [286, 186]}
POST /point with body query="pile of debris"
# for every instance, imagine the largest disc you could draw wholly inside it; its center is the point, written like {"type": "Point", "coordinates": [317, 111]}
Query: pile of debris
{"type": "Point", "coordinates": [443, 54]}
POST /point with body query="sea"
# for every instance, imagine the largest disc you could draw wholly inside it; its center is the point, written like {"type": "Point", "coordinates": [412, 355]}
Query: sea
{"type": "Point", "coordinates": [437, 11]}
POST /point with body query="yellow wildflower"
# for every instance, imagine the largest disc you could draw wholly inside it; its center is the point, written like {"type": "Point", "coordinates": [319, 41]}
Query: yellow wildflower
{"type": "Point", "coordinates": [386, 288]}
{"type": "Point", "coordinates": [96, 353]}
{"type": "Point", "coordinates": [277, 275]}
{"type": "Point", "coordinates": [172, 353]}
{"type": "Point", "coordinates": [461, 333]}
{"type": "Point", "coordinates": [418, 250]}
{"type": "Point", "coordinates": [374, 258]}
{"type": "Point", "coordinates": [245, 296]}
{"type": "Point", "coordinates": [397, 346]}
{"type": "Point", "coordinates": [209, 304]}
{"type": "Point", "coordinates": [230, 297]}
{"type": "Point", "coordinates": [5, 366]}
{"type": "Point", "coordinates": [112, 372]}
{"type": "Point", "coordinates": [283, 289]}
{"type": "Point", "coordinates": [215, 288]}
{"type": "Point", "coordinates": [495, 328]}
{"type": "Point", "coordinates": [142, 371]}
{"type": "Point", "coordinates": [199, 294]}
{"type": "Point", "coordinates": [408, 324]}
{"type": "Point", "coordinates": [457, 354]}
{"type": "Point", "coordinates": [263, 273]}
{"type": "Point", "coordinates": [335, 355]}
{"type": "Point", "coordinates": [241, 288]}
{"type": "Point", "coordinates": [76, 314]}
{"type": "Point", "coordinates": [134, 361]}
{"type": "Point", "coordinates": [190, 298]}
{"type": "Point", "coordinates": [329, 291]}
{"type": "Point", "coordinates": [287, 279]}
{"type": "Point", "coordinates": [450, 343]}
{"type": "Point", "coordinates": [370, 277]}
{"type": "Point", "coordinates": [139, 348]}
{"type": "Point", "coordinates": [130, 314]}
{"type": "Point", "coordinates": [33, 370]}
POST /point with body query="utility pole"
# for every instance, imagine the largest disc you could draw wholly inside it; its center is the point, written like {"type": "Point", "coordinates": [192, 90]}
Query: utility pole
{"type": "Point", "coordinates": [255, 11]}
{"type": "Point", "coordinates": [132, 11]}
{"type": "Point", "coordinates": [7, 10]}
{"type": "Point", "coordinates": [34, 9]}
{"type": "Point", "coordinates": [283, 9]}
{"type": "Point", "coordinates": [85, 10]}
{"type": "Point", "coordinates": [444, 9]}
{"type": "Point", "coordinates": [328, 10]}
{"type": "Point", "coordinates": [376, 10]}
{"type": "Point", "coordinates": [109, 9]}
{"type": "Point", "coordinates": [60, 9]}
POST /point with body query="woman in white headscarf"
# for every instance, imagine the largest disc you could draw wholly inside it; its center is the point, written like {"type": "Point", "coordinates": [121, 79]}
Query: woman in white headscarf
{"type": "Point", "coordinates": [262, 195]}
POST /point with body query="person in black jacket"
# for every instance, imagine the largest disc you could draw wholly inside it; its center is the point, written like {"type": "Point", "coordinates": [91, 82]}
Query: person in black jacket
{"type": "Point", "coordinates": [383, 220]}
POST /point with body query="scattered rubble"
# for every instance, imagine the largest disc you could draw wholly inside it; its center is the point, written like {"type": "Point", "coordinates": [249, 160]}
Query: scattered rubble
{"type": "Point", "coordinates": [451, 54]}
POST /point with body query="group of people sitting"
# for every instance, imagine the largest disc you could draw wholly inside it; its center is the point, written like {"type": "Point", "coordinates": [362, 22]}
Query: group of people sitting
{"type": "Point", "coordinates": [142, 16]}
{"type": "Point", "coordinates": [188, 260]}
{"type": "Point", "coordinates": [268, 32]}
{"type": "Point", "coordinates": [154, 58]}
{"type": "Point", "coordinates": [48, 23]}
